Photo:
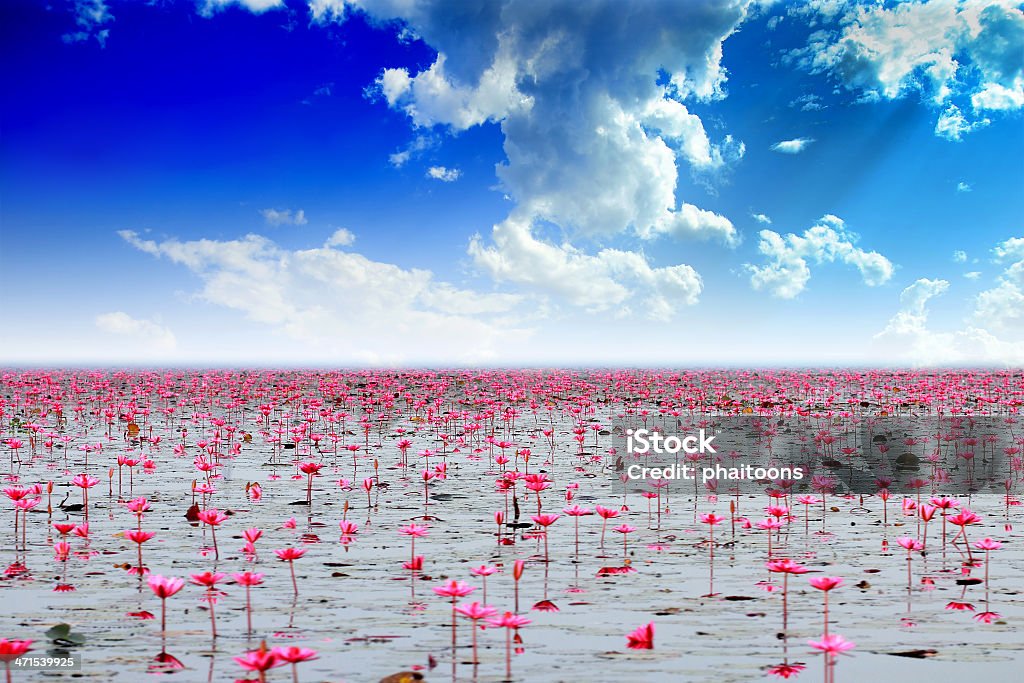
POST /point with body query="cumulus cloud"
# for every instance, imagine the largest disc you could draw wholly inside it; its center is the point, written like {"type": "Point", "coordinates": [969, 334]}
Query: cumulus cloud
{"type": "Point", "coordinates": [789, 257]}
{"type": "Point", "coordinates": [953, 125]}
{"type": "Point", "coordinates": [596, 124]}
{"type": "Point", "coordinates": [964, 58]}
{"type": "Point", "coordinates": [154, 336]}
{"type": "Point", "coordinates": [913, 314]}
{"type": "Point", "coordinates": [761, 218]}
{"type": "Point", "coordinates": [341, 238]}
{"type": "Point", "coordinates": [963, 187]}
{"type": "Point", "coordinates": [445, 175]}
{"type": "Point", "coordinates": [92, 18]}
{"type": "Point", "coordinates": [909, 337]}
{"type": "Point", "coordinates": [341, 304]}
{"type": "Point", "coordinates": [432, 97]}
{"type": "Point", "coordinates": [1002, 307]}
{"type": "Point", "coordinates": [284, 217]}
{"type": "Point", "coordinates": [611, 280]}
{"type": "Point", "coordinates": [794, 146]}
{"type": "Point", "coordinates": [959, 256]}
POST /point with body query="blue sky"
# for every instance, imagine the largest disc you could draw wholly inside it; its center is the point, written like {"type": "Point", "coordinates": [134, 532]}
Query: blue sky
{"type": "Point", "coordinates": [628, 183]}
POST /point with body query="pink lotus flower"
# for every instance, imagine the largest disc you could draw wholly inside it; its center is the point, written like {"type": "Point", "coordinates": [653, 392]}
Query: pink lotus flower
{"type": "Point", "coordinates": [711, 518]}
{"type": "Point", "coordinates": [545, 519]}
{"type": "Point", "coordinates": [826, 583]}
{"type": "Point", "coordinates": [986, 617]}
{"type": "Point", "coordinates": [294, 655]}
{"type": "Point", "coordinates": [163, 588]}
{"type": "Point", "coordinates": [909, 543]}
{"type": "Point", "coordinates": [833, 644]}
{"type": "Point", "coordinates": [454, 589]}
{"type": "Point", "coordinates": [248, 578]}
{"type": "Point", "coordinates": [483, 570]}
{"type": "Point", "coordinates": [85, 481]}
{"type": "Point", "coordinates": [137, 536]}
{"type": "Point", "coordinates": [642, 638]}
{"type": "Point", "coordinates": [260, 660]}
{"type": "Point", "coordinates": [207, 579]}
{"type": "Point", "coordinates": [212, 516]}
{"type": "Point", "coordinates": [786, 566]}
{"type": "Point", "coordinates": [987, 544]}
{"type": "Point", "coordinates": [509, 620]}
{"type": "Point", "coordinates": [786, 670]}
{"type": "Point", "coordinates": [12, 649]}
{"type": "Point", "coordinates": [61, 550]}
{"type": "Point", "coordinates": [289, 555]}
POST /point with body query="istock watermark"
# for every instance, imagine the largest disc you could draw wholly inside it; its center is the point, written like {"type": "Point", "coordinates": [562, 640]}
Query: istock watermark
{"type": "Point", "coordinates": [646, 441]}
{"type": "Point", "coordinates": [678, 472]}
{"type": "Point", "coordinates": [955, 455]}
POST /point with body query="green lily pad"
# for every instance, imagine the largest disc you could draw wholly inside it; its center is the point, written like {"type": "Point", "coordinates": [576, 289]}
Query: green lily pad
{"type": "Point", "coordinates": [62, 633]}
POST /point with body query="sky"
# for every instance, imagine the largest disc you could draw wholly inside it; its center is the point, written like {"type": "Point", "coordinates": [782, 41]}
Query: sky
{"type": "Point", "coordinates": [412, 182]}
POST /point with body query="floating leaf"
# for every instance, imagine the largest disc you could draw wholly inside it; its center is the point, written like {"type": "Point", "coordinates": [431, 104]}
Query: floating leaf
{"type": "Point", "coordinates": [62, 634]}
{"type": "Point", "coordinates": [916, 654]}
{"type": "Point", "coordinates": [58, 631]}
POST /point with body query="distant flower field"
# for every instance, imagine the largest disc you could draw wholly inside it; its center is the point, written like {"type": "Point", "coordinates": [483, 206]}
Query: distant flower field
{"type": "Point", "coordinates": [480, 525]}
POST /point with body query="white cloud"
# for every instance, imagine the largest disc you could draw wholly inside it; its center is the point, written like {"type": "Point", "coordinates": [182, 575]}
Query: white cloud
{"type": "Point", "coordinates": [1002, 307]}
{"type": "Point", "coordinates": [394, 84]}
{"type": "Point", "coordinates": [596, 123]}
{"type": "Point", "coordinates": [908, 337]}
{"type": "Point", "coordinates": [788, 269]}
{"type": "Point", "coordinates": [809, 102]}
{"type": "Point", "coordinates": [611, 280]}
{"type": "Point", "coordinates": [995, 96]}
{"type": "Point", "coordinates": [416, 146]}
{"type": "Point", "coordinates": [211, 7]}
{"type": "Point", "coordinates": [794, 146]}
{"type": "Point", "coordinates": [432, 97]}
{"type": "Point", "coordinates": [963, 187]}
{"type": "Point", "coordinates": [1012, 248]}
{"type": "Point", "coordinates": [814, 11]}
{"type": "Point", "coordinates": [343, 305]}
{"type": "Point", "coordinates": [959, 256]}
{"type": "Point", "coordinates": [913, 314]}
{"type": "Point", "coordinates": [91, 18]}
{"type": "Point", "coordinates": [445, 175]}
{"type": "Point", "coordinates": [973, 275]}
{"type": "Point", "coordinates": [284, 217]}
{"type": "Point", "coordinates": [326, 11]}
{"type": "Point", "coordinates": [952, 124]}
{"type": "Point", "coordinates": [154, 336]}
{"type": "Point", "coordinates": [962, 57]}
{"type": "Point", "coordinates": [761, 218]}
{"type": "Point", "coordinates": [340, 238]}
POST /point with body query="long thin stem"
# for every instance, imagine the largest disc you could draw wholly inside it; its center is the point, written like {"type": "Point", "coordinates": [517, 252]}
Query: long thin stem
{"type": "Point", "coordinates": [248, 609]}
{"type": "Point", "coordinates": [213, 620]}
{"type": "Point", "coordinates": [508, 654]}
{"type": "Point", "coordinates": [826, 614]}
